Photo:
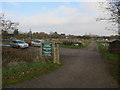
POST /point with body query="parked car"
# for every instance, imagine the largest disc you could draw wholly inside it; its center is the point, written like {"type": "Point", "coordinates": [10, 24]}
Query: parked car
{"type": "Point", "coordinates": [36, 43]}
{"type": "Point", "coordinates": [18, 44]}
{"type": "Point", "coordinates": [29, 43]}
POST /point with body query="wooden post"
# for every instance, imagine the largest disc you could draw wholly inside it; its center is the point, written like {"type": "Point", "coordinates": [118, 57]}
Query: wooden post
{"type": "Point", "coordinates": [54, 52]}
{"type": "Point", "coordinates": [41, 50]}
{"type": "Point", "coordinates": [58, 61]}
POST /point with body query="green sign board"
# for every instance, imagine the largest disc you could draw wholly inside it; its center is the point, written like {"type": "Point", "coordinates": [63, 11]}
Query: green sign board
{"type": "Point", "coordinates": [47, 49]}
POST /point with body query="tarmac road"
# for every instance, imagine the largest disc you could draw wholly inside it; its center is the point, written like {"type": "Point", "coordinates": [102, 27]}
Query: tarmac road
{"type": "Point", "coordinates": [82, 68]}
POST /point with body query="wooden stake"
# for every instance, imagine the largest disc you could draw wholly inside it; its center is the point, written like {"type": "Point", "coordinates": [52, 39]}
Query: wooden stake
{"type": "Point", "coordinates": [54, 52]}
{"type": "Point", "coordinates": [58, 61]}
{"type": "Point", "coordinates": [41, 50]}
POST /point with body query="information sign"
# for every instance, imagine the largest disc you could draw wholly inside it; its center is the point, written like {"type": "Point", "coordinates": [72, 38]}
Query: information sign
{"type": "Point", "coordinates": [47, 49]}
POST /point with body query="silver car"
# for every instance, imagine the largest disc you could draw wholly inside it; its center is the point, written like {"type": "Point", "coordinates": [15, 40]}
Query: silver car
{"type": "Point", "coordinates": [37, 43]}
{"type": "Point", "coordinates": [18, 44]}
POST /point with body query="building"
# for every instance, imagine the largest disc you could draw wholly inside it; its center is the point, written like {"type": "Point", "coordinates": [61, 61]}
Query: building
{"type": "Point", "coordinates": [114, 46]}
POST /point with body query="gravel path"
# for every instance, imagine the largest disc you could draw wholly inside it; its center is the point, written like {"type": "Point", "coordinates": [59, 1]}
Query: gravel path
{"type": "Point", "coordinates": [82, 68]}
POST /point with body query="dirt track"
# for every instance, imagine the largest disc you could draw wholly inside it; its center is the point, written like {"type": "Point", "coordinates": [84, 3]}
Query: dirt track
{"type": "Point", "coordinates": [82, 68]}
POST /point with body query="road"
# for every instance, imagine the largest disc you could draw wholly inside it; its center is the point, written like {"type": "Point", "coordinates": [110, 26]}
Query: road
{"type": "Point", "coordinates": [82, 68]}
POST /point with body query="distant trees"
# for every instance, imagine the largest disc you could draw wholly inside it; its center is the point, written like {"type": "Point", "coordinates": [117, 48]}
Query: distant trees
{"type": "Point", "coordinates": [16, 32]}
{"type": "Point", "coordinates": [62, 36]}
{"type": "Point", "coordinates": [7, 26]}
{"type": "Point", "coordinates": [4, 34]}
{"type": "Point", "coordinates": [41, 35]}
{"type": "Point", "coordinates": [30, 34]}
{"type": "Point", "coordinates": [54, 35]}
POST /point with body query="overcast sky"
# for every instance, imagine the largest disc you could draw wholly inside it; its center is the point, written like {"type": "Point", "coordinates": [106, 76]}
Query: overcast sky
{"type": "Point", "coordinates": [77, 18]}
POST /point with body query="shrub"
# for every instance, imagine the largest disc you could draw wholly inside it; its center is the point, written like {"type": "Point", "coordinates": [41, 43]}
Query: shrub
{"type": "Point", "coordinates": [18, 55]}
{"type": "Point", "coordinates": [67, 43]}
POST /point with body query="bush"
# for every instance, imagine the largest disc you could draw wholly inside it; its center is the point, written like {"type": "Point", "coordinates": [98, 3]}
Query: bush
{"type": "Point", "coordinates": [67, 43]}
{"type": "Point", "coordinates": [18, 55]}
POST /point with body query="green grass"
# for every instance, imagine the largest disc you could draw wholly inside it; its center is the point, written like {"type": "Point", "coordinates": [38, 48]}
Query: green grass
{"type": "Point", "coordinates": [72, 46]}
{"type": "Point", "coordinates": [14, 74]}
{"type": "Point", "coordinates": [112, 59]}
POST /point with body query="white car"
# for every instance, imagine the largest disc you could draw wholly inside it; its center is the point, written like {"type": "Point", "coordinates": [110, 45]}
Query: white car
{"type": "Point", "coordinates": [37, 43]}
{"type": "Point", "coordinates": [18, 44]}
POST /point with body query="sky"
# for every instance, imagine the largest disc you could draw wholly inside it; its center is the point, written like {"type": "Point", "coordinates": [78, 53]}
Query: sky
{"type": "Point", "coordinates": [76, 18]}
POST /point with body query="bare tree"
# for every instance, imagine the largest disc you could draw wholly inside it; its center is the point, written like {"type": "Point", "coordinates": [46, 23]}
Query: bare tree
{"type": "Point", "coordinates": [112, 7]}
{"type": "Point", "coordinates": [7, 25]}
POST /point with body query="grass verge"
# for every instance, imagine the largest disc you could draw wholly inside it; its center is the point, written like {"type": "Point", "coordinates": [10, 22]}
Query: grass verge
{"type": "Point", "coordinates": [19, 73]}
{"type": "Point", "coordinates": [109, 57]}
{"type": "Point", "coordinates": [72, 46]}
{"type": "Point", "coordinates": [112, 59]}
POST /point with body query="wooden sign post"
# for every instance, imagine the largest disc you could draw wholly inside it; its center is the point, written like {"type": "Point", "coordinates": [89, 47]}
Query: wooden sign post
{"type": "Point", "coordinates": [54, 51]}
{"type": "Point", "coordinates": [57, 52]}
{"type": "Point", "coordinates": [51, 50]}
{"type": "Point", "coordinates": [41, 50]}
